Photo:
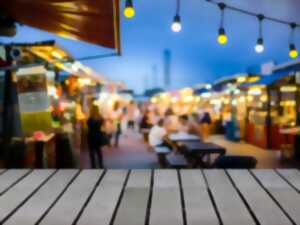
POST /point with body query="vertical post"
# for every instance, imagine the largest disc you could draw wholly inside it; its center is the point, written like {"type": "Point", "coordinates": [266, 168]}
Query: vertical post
{"type": "Point", "coordinates": [268, 119]}
{"type": "Point", "coordinates": [7, 104]}
{"type": "Point", "coordinates": [297, 137]}
{"type": "Point", "coordinates": [167, 67]}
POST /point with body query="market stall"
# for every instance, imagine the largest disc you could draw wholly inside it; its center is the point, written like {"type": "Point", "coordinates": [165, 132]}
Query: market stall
{"type": "Point", "coordinates": [230, 100]}
{"type": "Point", "coordinates": [272, 104]}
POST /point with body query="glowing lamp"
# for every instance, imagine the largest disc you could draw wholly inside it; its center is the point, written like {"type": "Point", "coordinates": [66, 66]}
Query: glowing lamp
{"type": "Point", "coordinates": [259, 47]}
{"type": "Point", "coordinates": [176, 25]}
{"type": "Point", "coordinates": [129, 11]}
{"type": "Point", "coordinates": [222, 38]}
{"type": "Point", "coordinates": [293, 51]}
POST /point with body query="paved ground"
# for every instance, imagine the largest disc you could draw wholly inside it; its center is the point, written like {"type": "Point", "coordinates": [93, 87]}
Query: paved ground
{"type": "Point", "coordinates": [133, 153]}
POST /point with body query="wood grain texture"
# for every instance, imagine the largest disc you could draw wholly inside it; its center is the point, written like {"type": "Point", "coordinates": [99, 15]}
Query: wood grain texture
{"type": "Point", "coordinates": [198, 205]}
{"type": "Point", "coordinates": [10, 177]}
{"type": "Point", "coordinates": [69, 205]}
{"type": "Point", "coordinates": [287, 197]}
{"type": "Point", "coordinates": [19, 192]}
{"type": "Point", "coordinates": [36, 206]}
{"type": "Point", "coordinates": [231, 207]}
{"type": "Point", "coordinates": [292, 176]}
{"type": "Point", "coordinates": [264, 208]}
{"type": "Point", "coordinates": [101, 207]}
{"type": "Point", "coordinates": [166, 202]}
{"type": "Point", "coordinates": [133, 207]}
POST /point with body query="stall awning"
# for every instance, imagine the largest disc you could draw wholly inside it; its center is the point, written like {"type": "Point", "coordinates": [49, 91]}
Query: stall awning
{"type": "Point", "coordinates": [275, 76]}
{"type": "Point", "coordinates": [94, 21]}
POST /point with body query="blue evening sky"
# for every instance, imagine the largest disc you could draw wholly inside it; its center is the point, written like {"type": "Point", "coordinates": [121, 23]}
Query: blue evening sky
{"type": "Point", "coordinates": [196, 56]}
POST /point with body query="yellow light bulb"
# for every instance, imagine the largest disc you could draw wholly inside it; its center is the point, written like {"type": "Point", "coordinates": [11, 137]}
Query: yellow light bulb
{"type": "Point", "coordinates": [222, 39]}
{"type": "Point", "coordinates": [129, 12]}
{"type": "Point", "coordinates": [293, 53]}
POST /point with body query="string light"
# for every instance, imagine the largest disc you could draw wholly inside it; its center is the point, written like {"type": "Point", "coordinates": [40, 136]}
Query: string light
{"type": "Point", "coordinates": [176, 25]}
{"type": "Point", "coordinates": [129, 11]}
{"type": "Point", "coordinates": [259, 47]}
{"type": "Point", "coordinates": [222, 38]}
{"type": "Point", "coordinates": [293, 51]}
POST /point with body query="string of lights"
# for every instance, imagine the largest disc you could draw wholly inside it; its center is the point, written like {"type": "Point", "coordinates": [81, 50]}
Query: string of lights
{"type": "Point", "coordinates": [222, 38]}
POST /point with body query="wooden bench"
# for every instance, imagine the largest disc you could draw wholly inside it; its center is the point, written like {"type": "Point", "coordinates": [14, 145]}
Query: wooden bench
{"type": "Point", "coordinates": [176, 161]}
{"type": "Point", "coordinates": [161, 152]}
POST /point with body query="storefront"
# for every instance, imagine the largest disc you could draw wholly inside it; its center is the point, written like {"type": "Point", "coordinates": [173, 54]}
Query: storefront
{"type": "Point", "coordinates": [272, 104]}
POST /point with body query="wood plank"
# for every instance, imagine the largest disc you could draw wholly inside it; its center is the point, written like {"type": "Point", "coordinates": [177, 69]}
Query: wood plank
{"type": "Point", "coordinates": [230, 206]}
{"type": "Point", "coordinates": [292, 176]}
{"type": "Point", "coordinates": [166, 206]}
{"type": "Point", "coordinates": [198, 205]}
{"type": "Point", "coordinates": [10, 177]}
{"type": "Point", "coordinates": [133, 207]}
{"type": "Point", "coordinates": [36, 206]}
{"type": "Point", "coordinates": [102, 205]}
{"type": "Point", "coordinates": [264, 208]}
{"type": "Point", "coordinates": [287, 197]}
{"type": "Point", "coordinates": [70, 204]}
{"type": "Point", "coordinates": [22, 190]}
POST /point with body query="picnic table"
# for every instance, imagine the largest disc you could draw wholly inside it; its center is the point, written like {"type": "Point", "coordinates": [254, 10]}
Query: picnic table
{"type": "Point", "coordinates": [154, 197]}
{"type": "Point", "coordinates": [198, 151]}
{"type": "Point", "coordinates": [183, 137]}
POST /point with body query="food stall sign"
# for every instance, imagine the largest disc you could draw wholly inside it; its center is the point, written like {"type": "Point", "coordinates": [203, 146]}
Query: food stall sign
{"type": "Point", "coordinates": [33, 99]}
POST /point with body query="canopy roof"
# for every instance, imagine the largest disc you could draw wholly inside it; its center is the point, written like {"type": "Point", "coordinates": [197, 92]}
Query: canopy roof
{"type": "Point", "coordinates": [275, 76]}
{"type": "Point", "coordinates": [94, 21]}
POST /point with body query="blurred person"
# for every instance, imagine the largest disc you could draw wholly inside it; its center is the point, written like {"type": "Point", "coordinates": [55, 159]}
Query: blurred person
{"type": "Point", "coordinates": [194, 125]}
{"type": "Point", "coordinates": [117, 116]}
{"type": "Point", "coordinates": [205, 125]}
{"type": "Point", "coordinates": [132, 114]}
{"type": "Point", "coordinates": [96, 136]}
{"type": "Point", "coordinates": [183, 125]}
{"type": "Point", "coordinates": [145, 125]}
{"type": "Point", "coordinates": [171, 121]}
{"type": "Point", "coordinates": [158, 134]}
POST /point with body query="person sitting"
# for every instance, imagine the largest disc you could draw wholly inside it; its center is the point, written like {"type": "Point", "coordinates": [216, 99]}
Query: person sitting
{"type": "Point", "coordinates": [183, 126]}
{"type": "Point", "coordinates": [158, 134]}
{"type": "Point", "coordinates": [194, 125]}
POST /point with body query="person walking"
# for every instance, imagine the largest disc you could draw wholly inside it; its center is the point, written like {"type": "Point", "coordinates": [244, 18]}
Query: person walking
{"type": "Point", "coordinates": [96, 136]}
{"type": "Point", "coordinates": [117, 115]}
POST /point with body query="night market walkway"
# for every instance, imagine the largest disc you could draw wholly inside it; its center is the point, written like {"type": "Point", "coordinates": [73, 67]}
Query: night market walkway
{"type": "Point", "coordinates": [133, 153]}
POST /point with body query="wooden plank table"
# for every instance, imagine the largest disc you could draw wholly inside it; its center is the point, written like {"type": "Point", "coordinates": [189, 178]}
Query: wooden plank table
{"type": "Point", "coordinates": [198, 147]}
{"type": "Point", "coordinates": [154, 197]}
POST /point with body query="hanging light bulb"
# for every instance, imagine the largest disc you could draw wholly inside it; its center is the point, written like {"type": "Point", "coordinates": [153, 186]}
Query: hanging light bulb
{"type": "Point", "coordinates": [129, 11]}
{"type": "Point", "coordinates": [259, 47]}
{"type": "Point", "coordinates": [293, 53]}
{"type": "Point", "coordinates": [222, 38]}
{"type": "Point", "coordinates": [176, 25]}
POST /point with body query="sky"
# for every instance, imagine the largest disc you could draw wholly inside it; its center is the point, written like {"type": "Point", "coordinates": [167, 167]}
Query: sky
{"type": "Point", "coordinates": [196, 57]}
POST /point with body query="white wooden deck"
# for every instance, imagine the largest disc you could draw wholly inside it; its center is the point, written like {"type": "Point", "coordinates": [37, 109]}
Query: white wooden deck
{"type": "Point", "coordinates": [150, 197]}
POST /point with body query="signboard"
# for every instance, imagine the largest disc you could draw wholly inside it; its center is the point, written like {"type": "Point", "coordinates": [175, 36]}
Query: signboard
{"type": "Point", "coordinates": [267, 68]}
{"type": "Point", "coordinates": [33, 99]}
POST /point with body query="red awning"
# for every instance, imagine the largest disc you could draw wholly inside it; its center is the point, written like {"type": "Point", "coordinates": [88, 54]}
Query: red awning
{"type": "Point", "coordinates": [94, 21]}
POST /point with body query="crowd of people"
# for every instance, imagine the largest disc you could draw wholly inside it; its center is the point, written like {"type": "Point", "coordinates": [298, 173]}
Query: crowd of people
{"type": "Point", "coordinates": [160, 126]}
{"type": "Point", "coordinates": [105, 129]}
